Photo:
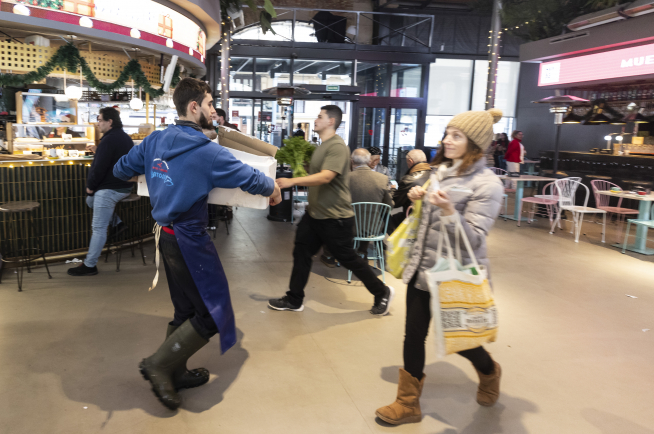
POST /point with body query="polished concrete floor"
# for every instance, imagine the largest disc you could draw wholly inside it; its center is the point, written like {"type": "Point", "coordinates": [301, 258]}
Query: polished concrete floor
{"type": "Point", "coordinates": [575, 346]}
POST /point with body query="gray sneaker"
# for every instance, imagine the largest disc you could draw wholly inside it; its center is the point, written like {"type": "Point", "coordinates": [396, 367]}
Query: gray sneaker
{"type": "Point", "coordinates": [384, 303]}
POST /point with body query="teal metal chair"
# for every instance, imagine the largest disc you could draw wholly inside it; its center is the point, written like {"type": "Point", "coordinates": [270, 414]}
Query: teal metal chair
{"type": "Point", "coordinates": [298, 198]}
{"type": "Point", "coordinates": [648, 224]}
{"type": "Point", "coordinates": [371, 222]}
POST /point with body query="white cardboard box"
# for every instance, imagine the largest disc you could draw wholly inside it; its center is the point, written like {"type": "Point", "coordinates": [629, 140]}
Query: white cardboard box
{"type": "Point", "coordinates": [234, 196]}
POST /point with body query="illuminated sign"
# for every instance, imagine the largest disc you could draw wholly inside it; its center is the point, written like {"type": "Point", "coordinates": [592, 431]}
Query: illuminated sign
{"type": "Point", "coordinates": [626, 62]}
{"type": "Point", "coordinates": [140, 19]}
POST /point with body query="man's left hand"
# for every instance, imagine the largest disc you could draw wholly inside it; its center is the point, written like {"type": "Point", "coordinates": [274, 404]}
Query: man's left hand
{"type": "Point", "coordinates": [285, 182]}
{"type": "Point", "coordinates": [276, 197]}
{"type": "Point", "coordinates": [89, 191]}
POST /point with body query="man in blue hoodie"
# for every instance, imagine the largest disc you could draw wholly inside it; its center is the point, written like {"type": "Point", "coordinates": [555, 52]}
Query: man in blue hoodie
{"type": "Point", "coordinates": [182, 166]}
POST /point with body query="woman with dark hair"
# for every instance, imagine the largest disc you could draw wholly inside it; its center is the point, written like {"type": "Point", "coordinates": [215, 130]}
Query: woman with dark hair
{"type": "Point", "coordinates": [464, 192]}
{"type": "Point", "coordinates": [515, 154]}
{"type": "Point", "coordinates": [501, 145]}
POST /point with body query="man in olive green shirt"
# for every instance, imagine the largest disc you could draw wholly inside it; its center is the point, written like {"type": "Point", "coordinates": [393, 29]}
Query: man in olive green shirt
{"type": "Point", "coordinates": [329, 220]}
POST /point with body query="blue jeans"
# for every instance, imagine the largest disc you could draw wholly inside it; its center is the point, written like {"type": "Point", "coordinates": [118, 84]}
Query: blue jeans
{"type": "Point", "coordinates": [103, 203]}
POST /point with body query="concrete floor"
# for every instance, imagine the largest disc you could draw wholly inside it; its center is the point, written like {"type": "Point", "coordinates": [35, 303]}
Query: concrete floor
{"type": "Point", "coordinates": [573, 347]}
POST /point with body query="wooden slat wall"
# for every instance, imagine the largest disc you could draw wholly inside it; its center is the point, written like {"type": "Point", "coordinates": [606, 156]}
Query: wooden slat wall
{"type": "Point", "coordinates": [63, 218]}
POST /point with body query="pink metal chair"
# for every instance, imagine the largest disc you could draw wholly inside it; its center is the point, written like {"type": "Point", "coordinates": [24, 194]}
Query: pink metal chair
{"type": "Point", "coordinates": [602, 201]}
{"type": "Point", "coordinates": [549, 199]}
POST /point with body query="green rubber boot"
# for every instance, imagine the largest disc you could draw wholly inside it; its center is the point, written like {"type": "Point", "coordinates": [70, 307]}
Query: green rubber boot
{"type": "Point", "coordinates": [159, 368]}
{"type": "Point", "coordinates": [183, 378]}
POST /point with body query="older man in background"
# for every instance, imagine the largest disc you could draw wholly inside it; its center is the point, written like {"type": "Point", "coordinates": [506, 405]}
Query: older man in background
{"type": "Point", "coordinates": [418, 174]}
{"type": "Point", "coordinates": [366, 185]}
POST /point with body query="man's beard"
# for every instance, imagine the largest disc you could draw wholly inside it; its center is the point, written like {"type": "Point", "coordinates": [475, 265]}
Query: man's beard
{"type": "Point", "coordinates": [204, 122]}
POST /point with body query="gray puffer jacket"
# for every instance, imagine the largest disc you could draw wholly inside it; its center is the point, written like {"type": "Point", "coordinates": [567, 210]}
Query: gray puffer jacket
{"type": "Point", "coordinates": [477, 196]}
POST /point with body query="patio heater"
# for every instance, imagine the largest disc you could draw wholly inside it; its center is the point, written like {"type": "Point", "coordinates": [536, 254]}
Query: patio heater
{"type": "Point", "coordinates": [285, 95]}
{"type": "Point", "coordinates": [559, 106]}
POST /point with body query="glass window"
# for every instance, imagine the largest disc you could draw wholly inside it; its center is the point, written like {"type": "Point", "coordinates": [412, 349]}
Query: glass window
{"type": "Point", "coordinates": [372, 78]}
{"type": "Point", "coordinates": [435, 129]}
{"type": "Point", "coordinates": [304, 32]}
{"type": "Point", "coordinates": [271, 73]}
{"type": "Point", "coordinates": [240, 74]}
{"type": "Point", "coordinates": [506, 90]}
{"type": "Point", "coordinates": [449, 87]}
{"type": "Point", "coordinates": [240, 114]}
{"type": "Point", "coordinates": [406, 81]}
{"type": "Point", "coordinates": [322, 72]}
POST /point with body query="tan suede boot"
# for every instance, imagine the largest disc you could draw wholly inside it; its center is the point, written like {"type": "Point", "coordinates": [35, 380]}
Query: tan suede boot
{"type": "Point", "coordinates": [406, 408]}
{"type": "Point", "coordinates": [489, 386]}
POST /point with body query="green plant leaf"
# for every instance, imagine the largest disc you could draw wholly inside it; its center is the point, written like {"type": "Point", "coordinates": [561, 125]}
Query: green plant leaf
{"type": "Point", "coordinates": [268, 6]}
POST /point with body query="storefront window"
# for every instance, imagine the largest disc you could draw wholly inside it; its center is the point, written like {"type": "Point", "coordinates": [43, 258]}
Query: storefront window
{"type": "Point", "coordinates": [434, 130]}
{"type": "Point", "coordinates": [406, 81]}
{"type": "Point", "coordinates": [322, 72]}
{"type": "Point", "coordinates": [240, 114]}
{"type": "Point", "coordinates": [373, 79]}
{"type": "Point", "coordinates": [240, 74]}
{"type": "Point", "coordinates": [271, 73]}
{"type": "Point", "coordinates": [506, 91]}
{"type": "Point", "coordinates": [449, 87]}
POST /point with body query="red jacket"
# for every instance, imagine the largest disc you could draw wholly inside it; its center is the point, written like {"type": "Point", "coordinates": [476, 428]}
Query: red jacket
{"type": "Point", "coordinates": [513, 152]}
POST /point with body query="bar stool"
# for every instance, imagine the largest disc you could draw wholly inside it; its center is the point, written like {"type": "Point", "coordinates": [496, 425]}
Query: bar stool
{"type": "Point", "coordinates": [22, 255]}
{"type": "Point", "coordinates": [117, 240]}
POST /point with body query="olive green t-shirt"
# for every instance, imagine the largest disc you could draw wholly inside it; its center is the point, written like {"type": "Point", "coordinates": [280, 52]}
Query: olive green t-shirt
{"type": "Point", "coordinates": [331, 200]}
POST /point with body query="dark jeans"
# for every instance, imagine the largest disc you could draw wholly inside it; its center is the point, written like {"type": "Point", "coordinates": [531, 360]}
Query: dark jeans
{"type": "Point", "coordinates": [337, 236]}
{"type": "Point", "coordinates": [183, 292]}
{"type": "Point", "coordinates": [418, 317]}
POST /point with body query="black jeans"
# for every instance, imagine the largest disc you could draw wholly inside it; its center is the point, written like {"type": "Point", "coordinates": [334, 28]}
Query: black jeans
{"type": "Point", "coordinates": [418, 317]}
{"type": "Point", "coordinates": [183, 292]}
{"type": "Point", "coordinates": [337, 236]}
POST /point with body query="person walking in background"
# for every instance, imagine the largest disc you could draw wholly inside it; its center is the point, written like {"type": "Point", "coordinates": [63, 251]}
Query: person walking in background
{"type": "Point", "coordinates": [220, 118]}
{"type": "Point", "coordinates": [515, 155]}
{"type": "Point", "coordinates": [375, 162]}
{"type": "Point", "coordinates": [501, 145]}
{"type": "Point", "coordinates": [418, 174]}
{"type": "Point", "coordinates": [472, 195]}
{"type": "Point", "coordinates": [103, 188]}
{"type": "Point", "coordinates": [365, 186]}
{"type": "Point", "coordinates": [299, 132]}
{"type": "Point", "coordinates": [329, 219]}
{"type": "Point", "coordinates": [182, 167]}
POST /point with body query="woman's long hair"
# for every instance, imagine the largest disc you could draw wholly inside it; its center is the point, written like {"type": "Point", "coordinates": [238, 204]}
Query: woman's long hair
{"type": "Point", "coordinates": [472, 155]}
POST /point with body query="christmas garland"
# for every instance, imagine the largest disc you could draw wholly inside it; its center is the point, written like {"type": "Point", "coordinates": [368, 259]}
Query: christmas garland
{"type": "Point", "coordinates": [68, 57]}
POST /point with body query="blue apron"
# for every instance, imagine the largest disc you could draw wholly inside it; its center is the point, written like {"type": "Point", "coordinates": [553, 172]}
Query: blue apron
{"type": "Point", "coordinates": [204, 264]}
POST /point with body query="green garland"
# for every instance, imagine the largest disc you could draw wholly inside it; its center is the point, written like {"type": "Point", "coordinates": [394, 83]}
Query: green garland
{"type": "Point", "coordinates": [68, 57]}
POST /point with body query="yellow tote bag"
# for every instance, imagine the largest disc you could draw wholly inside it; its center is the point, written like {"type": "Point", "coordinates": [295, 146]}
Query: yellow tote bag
{"type": "Point", "coordinates": [400, 242]}
{"type": "Point", "coordinates": [462, 304]}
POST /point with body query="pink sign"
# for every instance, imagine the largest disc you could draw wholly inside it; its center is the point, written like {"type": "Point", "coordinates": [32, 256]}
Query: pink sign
{"type": "Point", "coordinates": [627, 62]}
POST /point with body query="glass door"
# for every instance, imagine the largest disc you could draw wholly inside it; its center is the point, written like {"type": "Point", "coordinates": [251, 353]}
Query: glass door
{"type": "Point", "coordinates": [392, 128]}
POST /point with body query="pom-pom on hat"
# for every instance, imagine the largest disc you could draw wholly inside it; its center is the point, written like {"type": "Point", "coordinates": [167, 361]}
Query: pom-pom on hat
{"type": "Point", "coordinates": [477, 125]}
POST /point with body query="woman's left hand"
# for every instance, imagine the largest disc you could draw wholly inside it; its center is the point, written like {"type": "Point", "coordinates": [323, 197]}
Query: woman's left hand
{"type": "Point", "coordinates": [442, 200]}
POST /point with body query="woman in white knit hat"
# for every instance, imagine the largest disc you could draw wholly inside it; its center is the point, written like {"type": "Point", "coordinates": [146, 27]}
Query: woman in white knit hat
{"type": "Point", "coordinates": [470, 193]}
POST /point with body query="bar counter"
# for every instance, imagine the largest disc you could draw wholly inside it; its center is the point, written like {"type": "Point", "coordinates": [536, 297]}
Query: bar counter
{"type": "Point", "coordinates": [63, 218]}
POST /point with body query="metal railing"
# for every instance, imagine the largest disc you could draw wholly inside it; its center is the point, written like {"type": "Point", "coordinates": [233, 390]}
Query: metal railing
{"type": "Point", "coordinates": [333, 26]}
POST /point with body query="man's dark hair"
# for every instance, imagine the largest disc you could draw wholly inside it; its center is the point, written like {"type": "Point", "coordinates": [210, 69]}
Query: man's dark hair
{"type": "Point", "coordinates": [299, 126]}
{"type": "Point", "coordinates": [221, 112]}
{"type": "Point", "coordinates": [333, 112]}
{"type": "Point", "coordinates": [187, 91]}
{"type": "Point", "coordinates": [374, 150]}
{"type": "Point", "coordinates": [111, 114]}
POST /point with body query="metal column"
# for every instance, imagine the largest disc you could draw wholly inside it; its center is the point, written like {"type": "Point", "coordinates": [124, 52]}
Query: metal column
{"type": "Point", "coordinates": [493, 53]}
{"type": "Point", "coordinates": [225, 49]}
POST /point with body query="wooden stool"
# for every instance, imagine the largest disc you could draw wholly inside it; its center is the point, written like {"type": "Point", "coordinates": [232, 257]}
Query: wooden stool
{"type": "Point", "coordinates": [20, 249]}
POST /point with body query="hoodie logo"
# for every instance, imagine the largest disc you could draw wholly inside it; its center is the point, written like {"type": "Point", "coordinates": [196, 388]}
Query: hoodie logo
{"type": "Point", "coordinates": [159, 170]}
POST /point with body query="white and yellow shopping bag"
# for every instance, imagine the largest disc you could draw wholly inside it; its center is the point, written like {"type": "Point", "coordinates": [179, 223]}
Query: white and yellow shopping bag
{"type": "Point", "coordinates": [400, 242]}
{"type": "Point", "coordinates": [462, 304]}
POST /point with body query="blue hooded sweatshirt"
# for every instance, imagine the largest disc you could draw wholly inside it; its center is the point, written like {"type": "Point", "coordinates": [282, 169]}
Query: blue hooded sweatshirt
{"type": "Point", "coordinates": [182, 166]}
